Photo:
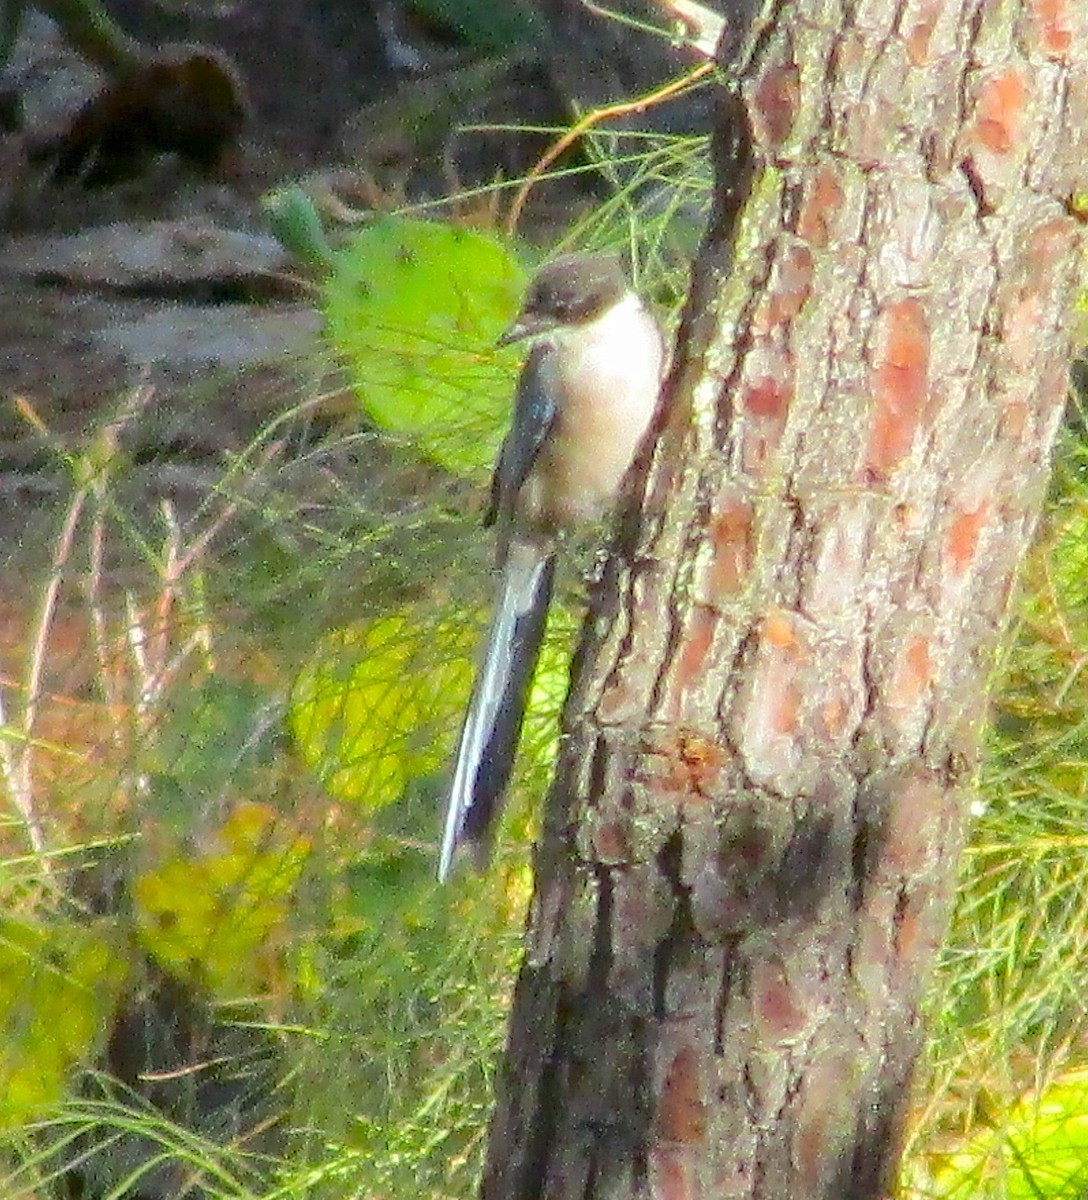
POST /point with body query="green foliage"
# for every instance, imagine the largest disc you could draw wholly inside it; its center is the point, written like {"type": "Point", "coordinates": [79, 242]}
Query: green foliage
{"type": "Point", "coordinates": [296, 224]}
{"type": "Point", "coordinates": [58, 982]}
{"type": "Point", "coordinates": [416, 308]}
{"type": "Point", "coordinates": [410, 992]}
{"type": "Point", "coordinates": [1004, 1082]}
{"type": "Point", "coordinates": [372, 710]}
{"type": "Point", "coordinates": [376, 708]}
{"type": "Point", "coordinates": [212, 918]}
{"type": "Point", "coordinates": [657, 202]}
{"type": "Point", "coordinates": [1039, 1149]}
{"type": "Point", "coordinates": [123, 1147]}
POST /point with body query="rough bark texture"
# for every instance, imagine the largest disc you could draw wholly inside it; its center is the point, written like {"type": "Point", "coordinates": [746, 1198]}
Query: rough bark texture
{"type": "Point", "coordinates": [753, 835]}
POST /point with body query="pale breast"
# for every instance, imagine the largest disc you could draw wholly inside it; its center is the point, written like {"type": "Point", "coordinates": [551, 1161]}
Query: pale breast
{"type": "Point", "coordinates": [610, 377]}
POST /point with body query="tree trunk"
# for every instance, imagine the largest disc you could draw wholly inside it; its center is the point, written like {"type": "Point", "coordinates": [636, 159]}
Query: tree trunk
{"type": "Point", "coordinates": [753, 835]}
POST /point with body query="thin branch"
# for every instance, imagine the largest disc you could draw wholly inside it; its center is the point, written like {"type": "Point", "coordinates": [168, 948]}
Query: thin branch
{"type": "Point", "coordinates": [22, 791]}
{"type": "Point", "coordinates": [587, 122]}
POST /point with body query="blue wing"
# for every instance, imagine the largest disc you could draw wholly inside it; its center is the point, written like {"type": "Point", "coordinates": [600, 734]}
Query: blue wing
{"type": "Point", "coordinates": [534, 415]}
{"type": "Point", "coordinates": [492, 725]}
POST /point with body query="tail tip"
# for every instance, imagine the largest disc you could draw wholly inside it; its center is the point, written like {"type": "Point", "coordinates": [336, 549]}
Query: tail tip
{"type": "Point", "coordinates": [477, 852]}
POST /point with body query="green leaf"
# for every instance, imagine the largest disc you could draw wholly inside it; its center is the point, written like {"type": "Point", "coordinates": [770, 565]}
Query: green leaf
{"type": "Point", "coordinates": [378, 702]}
{"type": "Point", "coordinates": [58, 983]}
{"type": "Point", "coordinates": [1041, 1150]}
{"type": "Point", "coordinates": [212, 918]}
{"type": "Point", "coordinates": [296, 225]}
{"type": "Point", "coordinates": [416, 308]}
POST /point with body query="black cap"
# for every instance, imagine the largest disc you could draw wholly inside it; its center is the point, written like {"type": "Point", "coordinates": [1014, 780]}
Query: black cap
{"type": "Point", "coordinates": [572, 290]}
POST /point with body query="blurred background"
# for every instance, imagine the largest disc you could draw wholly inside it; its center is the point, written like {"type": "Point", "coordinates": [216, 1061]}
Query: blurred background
{"type": "Point", "coordinates": [254, 259]}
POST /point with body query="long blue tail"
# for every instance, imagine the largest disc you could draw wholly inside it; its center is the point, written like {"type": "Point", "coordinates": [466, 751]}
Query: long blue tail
{"type": "Point", "coordinates": [492, 725]}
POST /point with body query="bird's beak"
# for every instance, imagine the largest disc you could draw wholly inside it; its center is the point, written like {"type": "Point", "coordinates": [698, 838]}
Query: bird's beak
{"type": "Point", "coordinates": [525, 325]}
{"type": "Point", "coordinates": [514, 332]}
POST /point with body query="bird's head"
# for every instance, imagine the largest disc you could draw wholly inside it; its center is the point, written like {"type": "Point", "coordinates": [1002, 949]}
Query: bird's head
{"type": "Point", "coordinates": [568, 293]}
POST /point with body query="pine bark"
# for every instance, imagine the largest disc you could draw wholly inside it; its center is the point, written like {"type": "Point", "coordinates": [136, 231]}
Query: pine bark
{"type": "Point", "coordinates": [753, 836]}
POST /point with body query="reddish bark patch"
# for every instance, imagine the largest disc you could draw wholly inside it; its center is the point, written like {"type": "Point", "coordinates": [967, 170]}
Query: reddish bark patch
{"type": "Point", "coordinates": [776, 1008]}
{"type": "Point", "coordinates": [795, 275]}
{"type": "Point", "coordinates": [833, 715]}
{"type": "Point", "coordinates": [786, 709]}
{"type": "Point", "coordinates": [636, 915]}
{"type": "Point", "coordinates": [962, 538]}
{"type": "Point", "coordinates": [865, 136]}
{"type": "Point", "coordinates": [765, 396]}
{"type": "Point", "coordinates": [610, 842]}
{"type": "Point", "coordinates": [913, 675]}
{"type": "Point", "coordinates": [775, 100]}
{"type": "Point", "coordinates": [1021, 329]}
{"type": "Point", "coordinates": [1049, 246]}
{"type": "Point", "coordinates": [703, 760]}
{"type": "Point", "coordinates": [768, 398]}
{"type": "Point", "coordinates": [746, 854]}
{"type": "Point", "coordinates": [686, 767]}
{"type": "Point", "coordinates": [911, 932]}
{"type": "Point", "coordinates": [673, 1176]}
{"type": "Point", "coordinates": [900, 383]}
{"type": "Point", "coordinates": [999, 111]}
{"type": "Point", "coordinates": [849, 51]}
{"type": "Point", "coordinates": [783, 707]}
{"type": "Point", "coordinates": [820, 207]}
{"type": "Point", "coordinates": [730, 536]}
{"type": "Point", "coordinates": [778, 631]}
{"type": "Point", "coordinates": [870, 962]}
{"type": "Point", "coordinates": [823, 1121]}
{"type": "Point", "coordinates": [790, 288]}
{"type": "Point", "coordinates": [910, 830]}
{"type": "Point", "coordinates": [1015, 413]}
{"type": "Point", "coordinates": [1052, 26]}
{"type": "Point", "coordinates": [664, 772]}
{"type": "Point", "coordinates": [681, 1110]}
{"type": "Point", "coordinates": [695, 647]}
{"type": "Point", "coordinates": [916, 37]}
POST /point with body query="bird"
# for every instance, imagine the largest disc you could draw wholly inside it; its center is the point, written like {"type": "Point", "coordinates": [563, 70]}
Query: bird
{"type": "Point", "coordinates": [585, 398]}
